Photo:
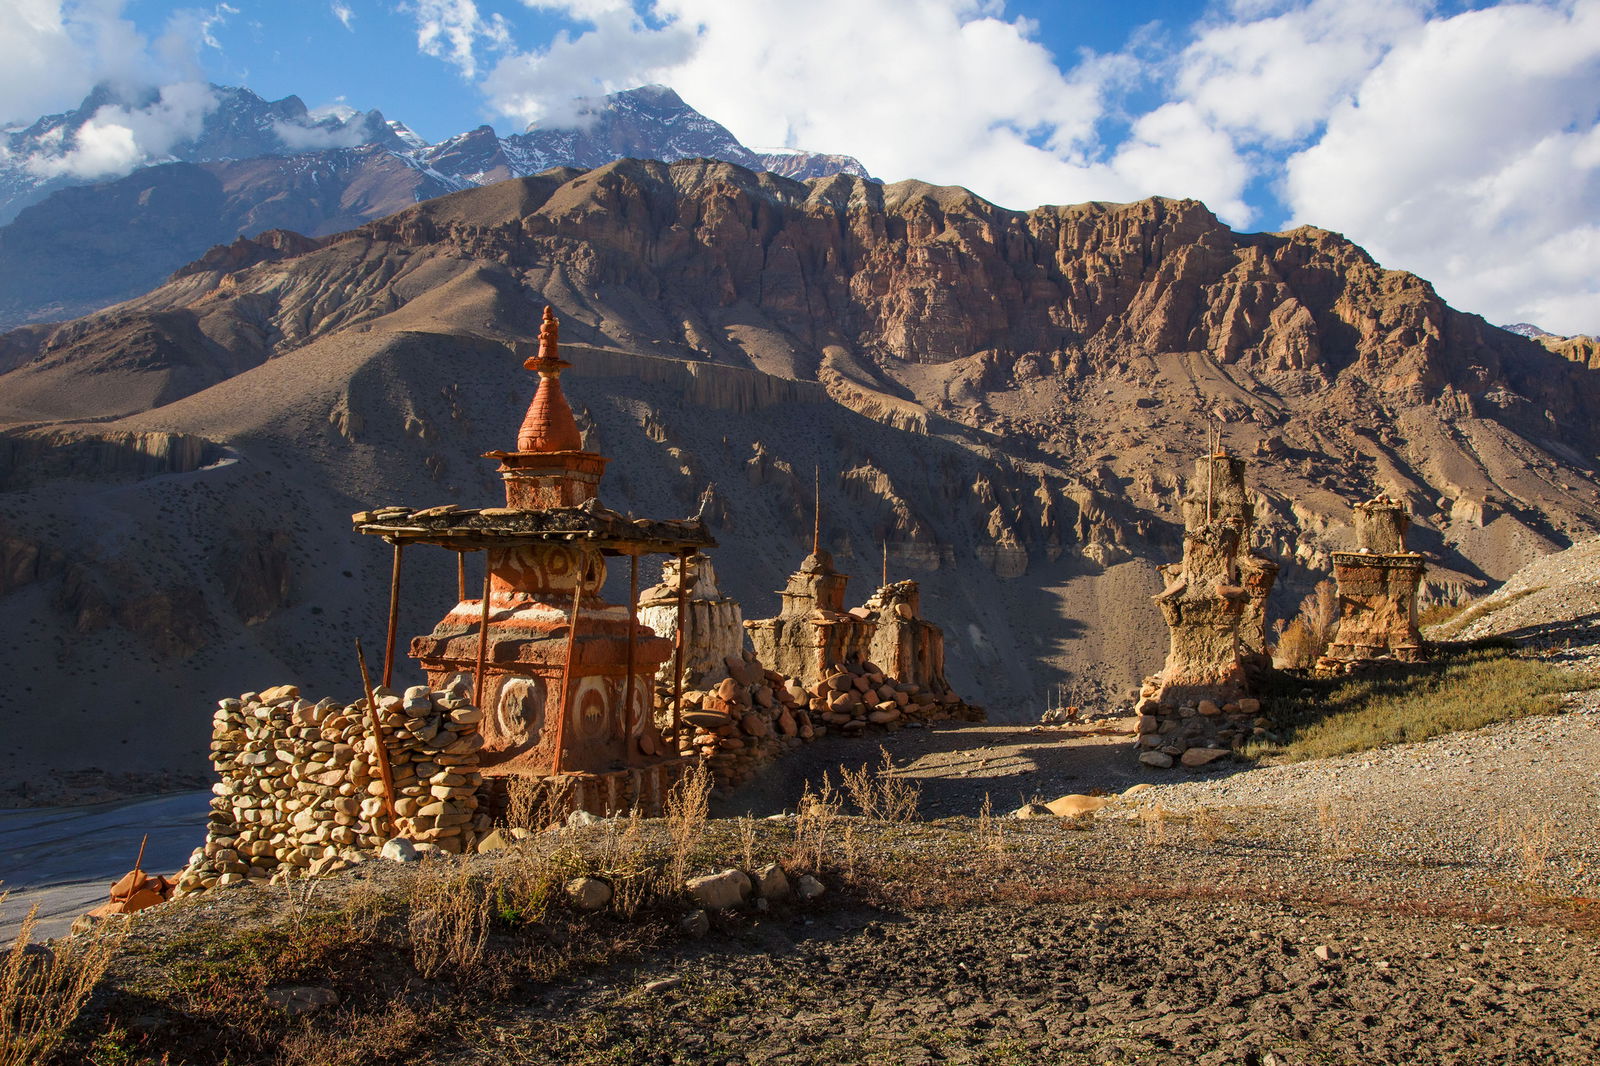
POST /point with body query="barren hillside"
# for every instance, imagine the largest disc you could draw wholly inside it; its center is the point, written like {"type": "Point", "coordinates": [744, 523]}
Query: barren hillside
{"type": "Point", "coordinates": [1010, 399]}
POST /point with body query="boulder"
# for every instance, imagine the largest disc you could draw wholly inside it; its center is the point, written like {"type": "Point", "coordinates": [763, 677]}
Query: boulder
{"type": "Point", "coordinates": [1158, 759]}
{"type": "Point", "coordinates": [808, 888]}
{"type": "Point", "coordinates": [1201, 756]}
{"type": "Point", "coordinates": [772, 882]}
{"type": "Point", "coordinates": [719, 891]}
{"type": "Point", "coordinates": [588, 893]}
{"type": "Point", "coordinates": [1073, 805]}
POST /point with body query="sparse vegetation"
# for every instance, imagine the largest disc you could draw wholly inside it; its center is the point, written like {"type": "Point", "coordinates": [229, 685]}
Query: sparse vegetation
{"type": "Point", "coordinates": [42, 990]}
{"type": "Point", "coordinates": [1307, 636]}
{"type": "Point", "coordinates": [1466, 689]}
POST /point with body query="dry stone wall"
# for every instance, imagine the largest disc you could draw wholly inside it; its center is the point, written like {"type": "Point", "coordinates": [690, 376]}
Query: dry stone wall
{"type": "Point", "coordinates": [301, 791]}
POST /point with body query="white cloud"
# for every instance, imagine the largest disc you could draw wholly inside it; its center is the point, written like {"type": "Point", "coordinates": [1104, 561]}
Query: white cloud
{"type": "Point", "coordinates": [310, 138]}
{"type": "Point", "coordinates": [549, 84]}
{"type": "Point", "coordinates": [945, 90]}
{"type": "Point", "coordinates": [53, 51]}
{"type": "Point", "coordinates": [342, 12]}
{"type": "Point", "coordinates": [1471, 155]}
{"type": "Point", "coordinates": [118, 138]}
{"type": "Point", "coordinates": [454, 30]}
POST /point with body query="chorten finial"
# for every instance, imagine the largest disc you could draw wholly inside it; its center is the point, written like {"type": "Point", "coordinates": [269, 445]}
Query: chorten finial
{"type": "Point", "coordinates": [549, 425]}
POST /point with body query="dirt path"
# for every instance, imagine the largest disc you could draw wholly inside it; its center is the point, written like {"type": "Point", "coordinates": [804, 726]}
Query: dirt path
{"type": "Point", "coordinates": [957, 765]}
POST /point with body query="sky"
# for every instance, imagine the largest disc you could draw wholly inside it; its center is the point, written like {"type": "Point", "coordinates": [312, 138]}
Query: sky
{"type": "Point", "coordinates": [1453, 138]}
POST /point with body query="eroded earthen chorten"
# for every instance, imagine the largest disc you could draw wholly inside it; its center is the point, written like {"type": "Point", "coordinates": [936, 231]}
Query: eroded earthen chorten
{"type": "Point", "coordinates": [1378, 585]}
{"type": "Point", "coordinates": [714, 630]}
{"type": "Point", "coordinates": [906, 646]}
{"type": "Point", "coordinates": [812, 631]}
{"type": "Point", "coordinates": [1215, 599]}
{"type": "Point", "coordinates": [565, 679]}
{"type": "Point", "coordinates": [1215, 604]}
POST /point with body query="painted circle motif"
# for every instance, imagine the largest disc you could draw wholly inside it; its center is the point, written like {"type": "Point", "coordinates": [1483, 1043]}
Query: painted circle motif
{"type": "Point", "coordinates": [591, 708]}
{"type": "Point", "coordinates": [519, 710]}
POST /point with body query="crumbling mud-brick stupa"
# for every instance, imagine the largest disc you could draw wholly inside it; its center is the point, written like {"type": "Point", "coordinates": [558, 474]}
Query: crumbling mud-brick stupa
{"type": "Point", "coordinates": [565, 679]}
{"type": "Point", "coordinates": [714, 623]}
{"type": "Point", "coordinates": [1378, 584]}
{"type": "Point", "coordinates": [1215, 605]}
{"type": "Point", "coordinates": [812, 632]}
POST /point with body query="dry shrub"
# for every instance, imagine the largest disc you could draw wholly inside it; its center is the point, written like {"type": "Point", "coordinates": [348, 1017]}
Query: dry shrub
{"type": "Point", "coordinates": [41, 994]}
{"type": "Point", "coordinates": [819, 817]}
{"type": "Point", "coordinates": [449, 918]}
{"type": "Point", "coordinates": [1309, 634]}
{"type": "Point", "coordinates": [1208, 825]}
{"type": "Point", "coordinates": [1528, 843]}
{"type": "Point", "coordinates": [747, 841]}
{"type": "Point", "coordinates": [621, 857]}
{"type": "Point", "coordinates": [1154, 818]}
{"type": "Point", "coordinates": [1341, 829]}
{"type": "Point", "coordinates": [688, 804]}
{"type": "Point", "coordinates": [880, 792]}
{"type": "Point", "coordinates": [356, 1038]}
{"type": "Point", "coordinates": [534, 806]}
{"type": "Point", "coordinates": [993, 849]}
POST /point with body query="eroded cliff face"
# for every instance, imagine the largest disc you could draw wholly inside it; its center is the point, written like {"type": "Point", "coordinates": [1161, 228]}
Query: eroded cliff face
{"type": "Point", "coordinates": [1008, 400]}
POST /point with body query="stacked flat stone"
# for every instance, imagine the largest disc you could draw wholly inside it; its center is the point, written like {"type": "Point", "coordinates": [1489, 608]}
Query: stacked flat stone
{"type": "Point", "coordinates": [1197, 734]}
{"type": "Point", "coordinates": [765, 717]}
{"type": "Point", "coordinates": [301, 791]}
{"type": "Point", "coordinates": [856, 696]}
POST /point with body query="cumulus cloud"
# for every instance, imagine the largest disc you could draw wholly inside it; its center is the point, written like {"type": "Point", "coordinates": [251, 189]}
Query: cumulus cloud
{"type": "Point", "coordinates": [1471, 155]}
{"type": "Point", "coordinates": [117, 138]}
{"type": "Point", "coordinates": [844, 75]}
{"type": "Point", "coordinates": [455, 30]}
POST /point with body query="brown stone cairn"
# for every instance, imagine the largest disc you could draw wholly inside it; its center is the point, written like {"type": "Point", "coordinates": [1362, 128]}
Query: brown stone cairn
{"type": "Point", "coordinates": [1214, 603]}
{"type": "Point", "coordinates": [300, 792]}
{"type": "Point", "coordinates": [1378, 585]}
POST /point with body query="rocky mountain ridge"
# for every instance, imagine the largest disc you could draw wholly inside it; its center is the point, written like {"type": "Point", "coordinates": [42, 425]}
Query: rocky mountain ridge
{"type": "Point", "coordinates": [1010, 400]}
{"type": "Point", "coordinates": [72, 243]}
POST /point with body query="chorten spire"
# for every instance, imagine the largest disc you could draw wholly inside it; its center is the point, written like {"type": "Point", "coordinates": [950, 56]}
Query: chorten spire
{"type": "Point", "coordinates": [549, 425]}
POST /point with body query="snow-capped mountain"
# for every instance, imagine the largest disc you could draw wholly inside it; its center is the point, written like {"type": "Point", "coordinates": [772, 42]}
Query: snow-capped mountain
{"type": "Point", "coordinates": [1527, 329]}
{"type": "Point", "coordinates": [113, 132]}
{"type": "Point", "coordinates": [216, 162]}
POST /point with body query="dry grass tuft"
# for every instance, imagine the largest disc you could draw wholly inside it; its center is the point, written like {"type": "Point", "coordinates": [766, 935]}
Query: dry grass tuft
{"type": "Point", "coordinates": [814, 827]}
{"type": "Point", "coordinates": [688, 805]}
{"type": "Point", "coordinates": [880, 793]}
{"type": "Point", "coordinates": [449, 921]}
{"type": "Point", "coordinates": [1342, 830]}
{"type": "Point", "coordinates": [41, 994]}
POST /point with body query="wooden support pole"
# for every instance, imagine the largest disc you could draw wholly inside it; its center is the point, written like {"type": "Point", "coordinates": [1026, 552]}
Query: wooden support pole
{"type": "Point", "coordinates": [380, 751]}
{"type": "Point", "coordinates": [483, 638]}
{"type": "Point", "coordinates": [461, 576]}
{"type": "Point", "coordinates": [394, 614]}
{"type": "Point", "coordinates": [566, 674]}
{"type": "Point", "coordinates": [677, 653]}
{"type": "Point", "coordinates": [633, 646]}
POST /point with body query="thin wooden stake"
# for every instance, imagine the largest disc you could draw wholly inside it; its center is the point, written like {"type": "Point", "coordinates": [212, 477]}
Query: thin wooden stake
{"type": "Point", "coordinates": [483, 639]}
{"type": "Point", "coordinates": [677, 654]}
{"type": "Point", "coordinates": [380, 751]}
{"type": "Point", "coordinates": [885, 561]}
{"type": "Point", "coordinates": [461, 576]}
{"type": "Point", "coordinates": [394, 615]}
{"type": "Point", "coordinates": [633, 642]}
{"type": "Point", "coordinates": [816, 508]}
{"type": "Point", "coordinates": [566, 675]}
{"type": "Point", "coordinates": [138, 864]}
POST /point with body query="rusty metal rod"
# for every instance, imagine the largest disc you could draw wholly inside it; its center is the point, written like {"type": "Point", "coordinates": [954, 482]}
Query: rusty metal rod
{"type": "Point", "coordinates": [394, 614]}
{"type": "Point", "coordinates": [379, 752]}
{"type": "Point", "coordinates": [633, 641]}
{"type": "Point", "coordinates": [566, 674]}
{"type": "Point", "coordinates": [483, 638]}
{"type": "Point", "coordinates": [677, 652]}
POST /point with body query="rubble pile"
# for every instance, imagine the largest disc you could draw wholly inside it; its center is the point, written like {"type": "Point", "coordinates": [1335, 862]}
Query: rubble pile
{"type": "Point", "coordinates": [755, 714]}
{"type": "Point", "coordinates": [1196, 734]}
{"type": "Point", "coordinates": [301, 791]}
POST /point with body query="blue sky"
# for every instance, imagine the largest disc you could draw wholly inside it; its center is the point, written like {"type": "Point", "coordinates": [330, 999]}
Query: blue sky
{"type": "Point", "coordinates": [1458, 140]}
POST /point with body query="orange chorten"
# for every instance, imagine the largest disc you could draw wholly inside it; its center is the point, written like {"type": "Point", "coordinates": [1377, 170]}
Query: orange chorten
{"type": "Point", "coordinates": [565, 679]}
